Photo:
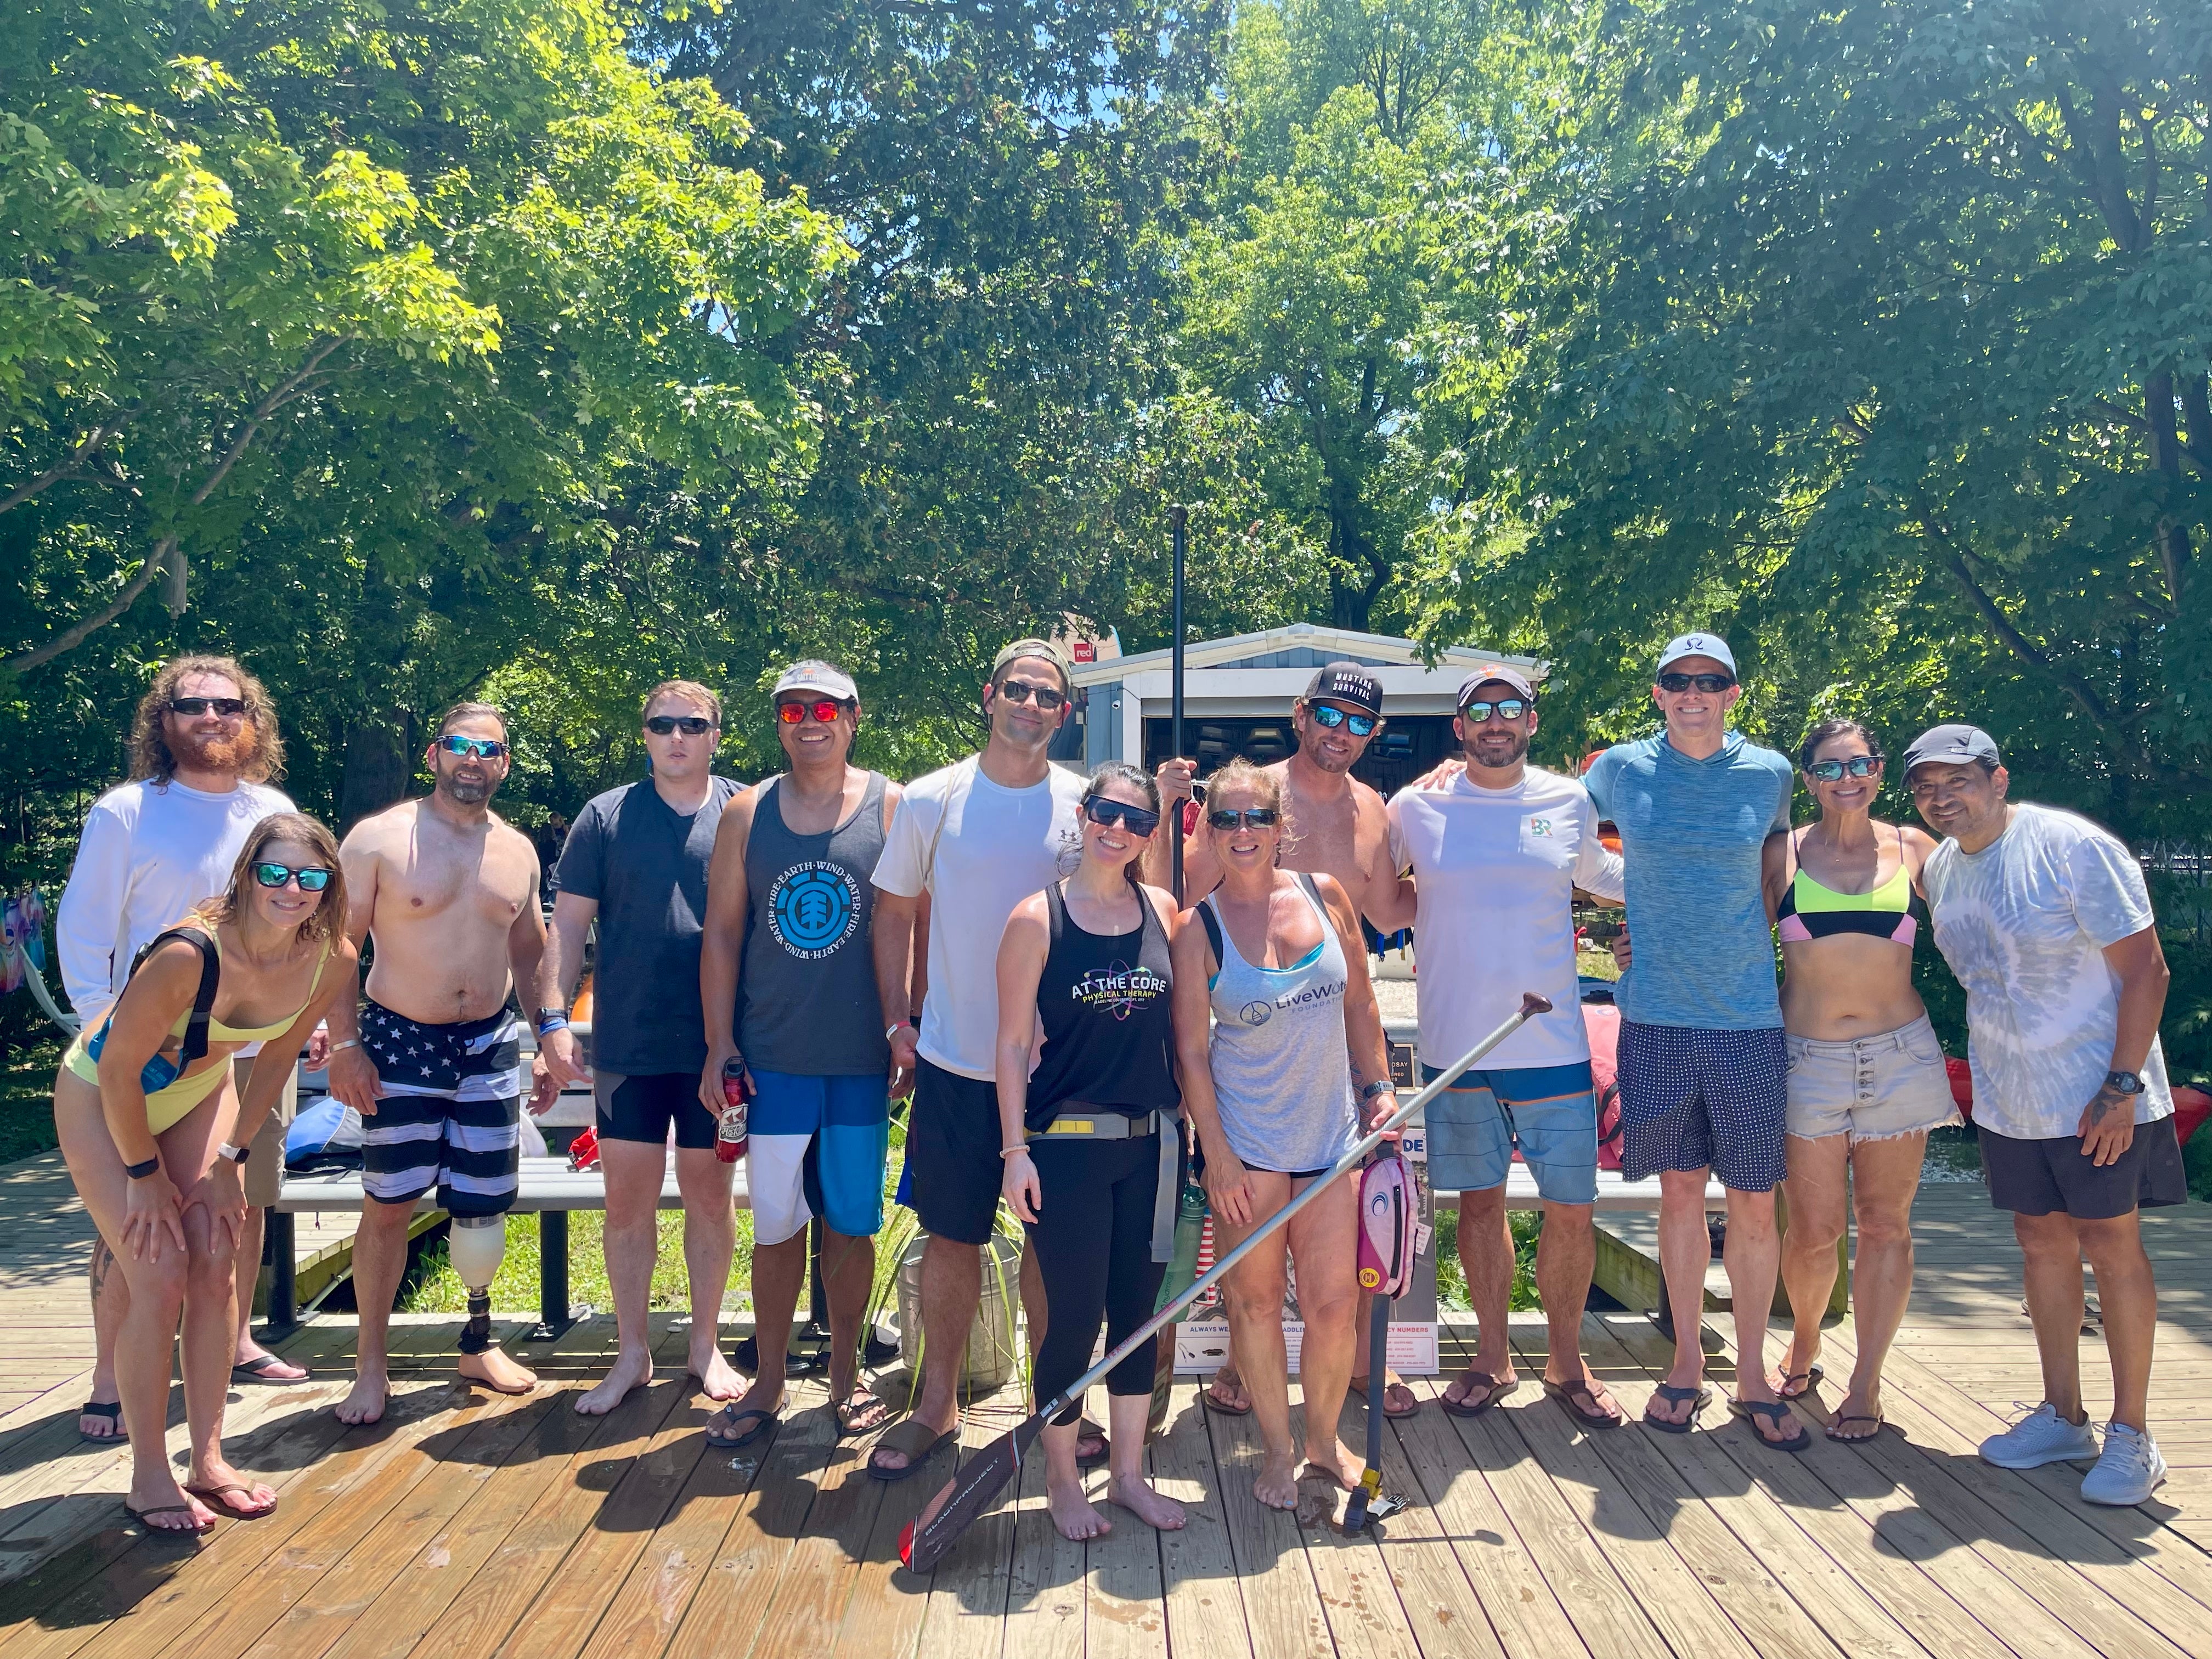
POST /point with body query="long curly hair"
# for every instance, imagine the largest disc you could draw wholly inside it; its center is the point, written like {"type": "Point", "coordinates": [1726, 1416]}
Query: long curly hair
{"type": "Point", "coordinates": [261, 745]}
{"type": "Point", "coordinates": [328, 918]}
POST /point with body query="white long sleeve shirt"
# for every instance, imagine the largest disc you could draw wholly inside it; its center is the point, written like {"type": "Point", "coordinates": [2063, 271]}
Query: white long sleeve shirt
{"type": "Point", "coordinates": [148, 854]}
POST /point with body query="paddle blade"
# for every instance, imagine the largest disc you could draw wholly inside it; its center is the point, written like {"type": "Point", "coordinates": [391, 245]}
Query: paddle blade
{"type": "Point", "coordinates": [970, 1492]}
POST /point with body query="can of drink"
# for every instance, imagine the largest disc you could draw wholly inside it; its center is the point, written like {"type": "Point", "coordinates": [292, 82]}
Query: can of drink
{"type": "Point", "coordinates": [737, 1101]}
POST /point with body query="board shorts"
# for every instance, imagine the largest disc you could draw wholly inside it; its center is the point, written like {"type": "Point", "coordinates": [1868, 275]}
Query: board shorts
{"type": "Point", "coordinates": [1548, 1113]}
{"type": "Point", "coordinates": [2049, 1175]}
{"type": "Point", "coordinates": [817, 1146]}
{"type": "Point", "coordinates": [450, 1115]}
{"type": "Point", "coordinates": [1695, 1097]}
{"type": "Point", "coordinates": [641, 1106]}
{"type": "Point", "coordinates": [1871, 1088]}
{"type": "Point", "coordinates": [952, 1154]}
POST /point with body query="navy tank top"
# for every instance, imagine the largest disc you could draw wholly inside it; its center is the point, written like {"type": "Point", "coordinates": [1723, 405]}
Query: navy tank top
{"type": "Point", "coordinates": [1109, 1018]}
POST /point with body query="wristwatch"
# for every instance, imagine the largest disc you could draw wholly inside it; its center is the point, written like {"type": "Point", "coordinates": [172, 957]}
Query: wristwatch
{"type": "Point", "coordinates": [2125, 1082]}
{"type": "Point", "coordinates": [236, 1154]}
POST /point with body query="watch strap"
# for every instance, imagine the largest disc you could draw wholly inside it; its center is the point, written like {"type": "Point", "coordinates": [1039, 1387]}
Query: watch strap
{"type": "Point", "coordinates": [234, 1154]}
{"type": "Point", "coordinates": [141, 1171]}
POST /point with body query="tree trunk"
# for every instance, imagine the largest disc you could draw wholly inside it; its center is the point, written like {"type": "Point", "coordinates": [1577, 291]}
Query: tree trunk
{"type": "Point", "coordinates": [2173, 547]}
{"type": "Point", "coordinates": [376, 766]}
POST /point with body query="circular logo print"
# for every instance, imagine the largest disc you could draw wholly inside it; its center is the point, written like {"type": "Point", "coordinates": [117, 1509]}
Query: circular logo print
{"type": "Point", "coordinates": [813, 909]}
{"type": "Point", "coordinates": [1256, 1014]}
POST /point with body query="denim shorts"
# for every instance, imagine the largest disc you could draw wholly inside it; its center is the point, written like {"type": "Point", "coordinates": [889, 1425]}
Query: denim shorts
{"type": "Point", "coordinates": [1694, 1097]}
{"type": "Point", "coordinates": [1871, 1088]}
{"type": "Point", "coordinates": [1549, 1113]}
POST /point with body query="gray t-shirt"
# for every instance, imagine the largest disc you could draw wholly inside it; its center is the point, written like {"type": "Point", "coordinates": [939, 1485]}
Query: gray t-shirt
{"type": "Point", "coordinates": [646, 866]}
{"type": "Point", "coordinates": [2024, 924]}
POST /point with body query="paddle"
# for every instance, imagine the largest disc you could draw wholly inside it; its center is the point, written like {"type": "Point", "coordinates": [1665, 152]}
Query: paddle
{"type": "Point", "coordinates": [923, 1542]}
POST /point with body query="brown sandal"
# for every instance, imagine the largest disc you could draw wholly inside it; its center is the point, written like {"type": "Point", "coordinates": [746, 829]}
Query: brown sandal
{"type": "Point", "coordinates": [1494, 1392]}
{"type": "Point", "coordinates": [213, 1496]}
{"type": "Point", "coordinates": [1580, 1398]}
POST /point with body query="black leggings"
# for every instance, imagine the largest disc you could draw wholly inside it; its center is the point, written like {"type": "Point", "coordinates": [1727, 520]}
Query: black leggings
{"type": "Point", "coordinates": [1093, 1241]}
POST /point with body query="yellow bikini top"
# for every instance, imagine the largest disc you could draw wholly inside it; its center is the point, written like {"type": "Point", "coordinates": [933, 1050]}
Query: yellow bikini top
{"type": "Point", "coordinates": [219, 1032]}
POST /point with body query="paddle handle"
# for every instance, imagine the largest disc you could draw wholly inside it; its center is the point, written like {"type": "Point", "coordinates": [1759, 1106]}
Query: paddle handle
{"type": "Point", "coordinates": [1531, 1006]}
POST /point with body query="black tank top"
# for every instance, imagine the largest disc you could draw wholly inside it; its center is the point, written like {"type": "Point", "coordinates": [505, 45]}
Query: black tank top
{"type": "Point", "coordinates": [1109, 1022]}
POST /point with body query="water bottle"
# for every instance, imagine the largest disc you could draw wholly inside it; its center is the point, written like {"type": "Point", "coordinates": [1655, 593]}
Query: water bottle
{"type": "Point", "coordinates": [736, 1098]}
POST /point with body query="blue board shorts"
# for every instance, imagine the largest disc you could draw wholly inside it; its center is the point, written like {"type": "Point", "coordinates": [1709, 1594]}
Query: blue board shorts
{"type": "Point", "coordinates": [817, 1146]}
{"type": "Point", "coordinates": [1548, 1112]}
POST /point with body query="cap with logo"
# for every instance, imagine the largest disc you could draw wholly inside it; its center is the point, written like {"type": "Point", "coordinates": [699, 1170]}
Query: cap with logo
{"type": "Point", "coordinates": [1698, 645]}
{"type": "Point", "coordinates": [1346, 681]}
{"type": "Point", "coordinates": [1045, 648]}
{"type": "Point", "coordinates": [814, 675]}
{"type": "Point", "coordinates": [1954, 744]}
{"type": "Point", "coordinates": [1501, 673]}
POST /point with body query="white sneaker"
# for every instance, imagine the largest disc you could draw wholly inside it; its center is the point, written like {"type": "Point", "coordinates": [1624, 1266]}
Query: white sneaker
{"type": "Point", "coordinates": [2041, 1437]}
{"type": "Point", "coordinates": [2130, 1471]}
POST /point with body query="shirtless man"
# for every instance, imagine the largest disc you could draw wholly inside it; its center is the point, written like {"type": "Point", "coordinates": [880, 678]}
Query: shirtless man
{"type": "Point", "coordinates": [448, 892]}
{"type": "Point", "coordinates": [1344, 831]}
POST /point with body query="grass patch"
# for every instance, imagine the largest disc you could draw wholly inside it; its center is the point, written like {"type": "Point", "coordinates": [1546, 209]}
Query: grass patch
{"type": "Point", "coordinates": [1451, 1282]}
{"type": "Point", "coordinates": [515, 1289]}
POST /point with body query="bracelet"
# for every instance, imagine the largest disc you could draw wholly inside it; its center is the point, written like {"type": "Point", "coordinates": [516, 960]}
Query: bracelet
{"type": "Point", "coordinates": [1008, 1151]}
{"type": "Point", "coordinates": [140, 1171]}
{"type": "Point", "coordinates": [893, 1031]}
{"type": "Point", "coordinates": [350, 1042]}
{"type": "Point", "coordinates": [552, 1022]}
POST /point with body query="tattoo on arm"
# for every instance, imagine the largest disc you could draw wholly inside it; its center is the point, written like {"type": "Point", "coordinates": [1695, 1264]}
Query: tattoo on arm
{"type": "Point", "coordinates": [2105, 1100]}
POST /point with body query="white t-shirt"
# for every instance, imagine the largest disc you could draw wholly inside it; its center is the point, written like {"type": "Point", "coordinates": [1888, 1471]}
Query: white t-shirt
{"type": "Point", "coordinates": [148, 854]}
{"type": "Point", "coordinates": [2024, 923]}
{"type": "Point", "coordinates": [993, 847]}
{"type": "Point", "coordinates": [1496, 869]}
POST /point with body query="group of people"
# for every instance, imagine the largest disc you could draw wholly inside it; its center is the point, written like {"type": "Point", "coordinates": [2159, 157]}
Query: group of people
{"type": "Point", "coordinates": [1000, 940]}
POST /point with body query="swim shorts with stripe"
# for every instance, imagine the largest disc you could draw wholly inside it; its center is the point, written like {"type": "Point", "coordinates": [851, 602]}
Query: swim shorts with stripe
{"type": "Point", "coordinates": [450, 1113]}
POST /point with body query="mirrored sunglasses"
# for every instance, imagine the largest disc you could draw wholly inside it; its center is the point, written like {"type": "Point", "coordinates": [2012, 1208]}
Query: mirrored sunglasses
{"type": "Point", "coordinates": [1331, 716]}
{"type": "Point", "coordinates": [1859, 766]}
{"type": "Point", "coordinates": [481, 747]}
{"type": "Point", "coordinates": [312, 878]}
{"type": "Point", "coordinates": [1506, 709]}
{"type": "Point", "coordinates": [795, 711]}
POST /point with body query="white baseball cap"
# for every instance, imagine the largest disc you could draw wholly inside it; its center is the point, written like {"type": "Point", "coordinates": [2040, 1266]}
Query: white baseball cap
{"type": "Point", "coordinates": [1698, 645]}
{"type": "Point", "coordinates": [815, 674]}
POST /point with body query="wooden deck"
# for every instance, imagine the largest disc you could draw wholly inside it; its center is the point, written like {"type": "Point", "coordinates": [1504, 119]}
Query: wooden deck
{"type": "Point", "coordinates": [475, 1526]}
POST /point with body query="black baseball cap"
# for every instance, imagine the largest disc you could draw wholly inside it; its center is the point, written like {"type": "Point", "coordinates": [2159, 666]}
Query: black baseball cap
{"type": "Point", "coordinates": [1346, 681]}
{"type": "Point", "coordinates": [1951, 745]}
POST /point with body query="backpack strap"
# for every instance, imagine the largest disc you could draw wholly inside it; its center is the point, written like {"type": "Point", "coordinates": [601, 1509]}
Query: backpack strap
{"type": "Point", "coordinates": [196, 1026]}
{"type": "Point", "coordinates": [1212, 931]}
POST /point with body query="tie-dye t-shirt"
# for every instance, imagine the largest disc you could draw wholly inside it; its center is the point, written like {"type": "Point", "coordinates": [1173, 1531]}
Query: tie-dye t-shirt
{"type": "Point", "coordinates": [2024, 924]}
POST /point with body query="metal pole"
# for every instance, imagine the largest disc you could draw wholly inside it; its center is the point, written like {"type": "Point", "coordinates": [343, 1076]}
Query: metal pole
{"type": "Point", "coordinates": [1176, 518]}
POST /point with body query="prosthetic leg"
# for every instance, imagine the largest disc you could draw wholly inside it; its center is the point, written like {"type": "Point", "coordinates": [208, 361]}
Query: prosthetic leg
{"type": "Point", "coordinates": [476, 1245]}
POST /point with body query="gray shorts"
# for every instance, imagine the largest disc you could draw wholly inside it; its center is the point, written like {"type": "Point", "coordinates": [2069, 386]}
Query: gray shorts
{"type": "Point", "coordinates": [1875, 1088]}
{"type": "Point", "coordinates": [264, 1164]}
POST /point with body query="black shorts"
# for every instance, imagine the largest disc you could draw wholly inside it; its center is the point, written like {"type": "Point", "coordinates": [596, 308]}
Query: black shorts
{"type": "Point", "coordinates": [642, 1107]}
{"type": "Point", "coordinates": [2051, 1176]}
{"type": "Point", "coordinates": [952, 1154]}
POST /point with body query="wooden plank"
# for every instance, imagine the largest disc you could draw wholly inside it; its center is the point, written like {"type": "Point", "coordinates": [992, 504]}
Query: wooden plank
{"type": "Point", "coordinates": [1200, 1591]}
{"type": "Point", "coordinates": [1045, 1591]}
{"type": "Point", "coordinates": [1441, 1606]}
{"type": "Point", "coordinates": [883, 1615]}
{"type": "Point", "coordinates": [1282, 1602]}
{"type": "Point", "coordinates": [1358, 1595]}
{"type": "Point", "coordinates": [965, 1618]}
{"type": "Point", "coordinates": [1125, 1606]}
{"type": "Point", "coordinates": [806, 1608]}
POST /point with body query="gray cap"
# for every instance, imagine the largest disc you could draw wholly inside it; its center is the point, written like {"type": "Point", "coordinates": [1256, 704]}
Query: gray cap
{"type": "Point", "coordinates": [814, 675]}
{"type": "Point", "coordinates": [1048, 649]}
{"type": "Point", "coordinates": [1951, 745]}
{"type": "Point", "coordinates": [1696, 645]}
{"type": "Point", "coordinates": [1504, 674]}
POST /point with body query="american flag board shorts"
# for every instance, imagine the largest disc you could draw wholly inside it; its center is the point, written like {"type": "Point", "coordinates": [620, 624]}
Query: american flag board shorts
{"type": "Point", "coordinates": [450, 1113]}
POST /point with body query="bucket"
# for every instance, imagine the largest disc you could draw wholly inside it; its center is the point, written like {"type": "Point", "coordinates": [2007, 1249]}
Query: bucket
{"type": "Point", "coordinates": [995, 1342]}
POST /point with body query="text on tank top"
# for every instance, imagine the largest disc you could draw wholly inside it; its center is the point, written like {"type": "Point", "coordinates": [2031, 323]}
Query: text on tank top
{"type": "Point", "coordinates": [1109, 1017]}
{"type": "Point", "coordinates": [808, 1004]}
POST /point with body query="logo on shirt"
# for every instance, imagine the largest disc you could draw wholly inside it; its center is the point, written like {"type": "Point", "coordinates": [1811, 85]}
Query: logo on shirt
{"type": "Point", "coordinates": [1118, 989]}
{"type": "Point", "coordinates": [1539, 826]}
{"type": "Point", "coordinates": [1256, 1014]}
{"type": "Point", "coordinates": [813, 909]}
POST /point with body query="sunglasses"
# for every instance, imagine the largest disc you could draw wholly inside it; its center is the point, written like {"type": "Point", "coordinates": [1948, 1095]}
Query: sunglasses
{"type": "Point", "coordinates": [1359, 724]}
{"type": "Point", "coordinates": [1506, 709]}
{"type": "Point", "coordinates": [795, 712]}
{"type": "Point", "coordinates": [193, 707]}
{"type": "Point", "coordinates": [1259, 817]}
{"type": "Point", "coordinates": [1703, 682]}
{"type": "Point", "coordinates": [1859, 766]}
{"type": "Point", "coordinates": [691, 725]}
{"type": "Point", "coordinates": [1141, 820]}
{"type": "Point", "coordinates": [481, 747]}
{"type": "Point", "coordinates": [1022, 691]}
{"type": "Point", "coordinates": [312, 878]}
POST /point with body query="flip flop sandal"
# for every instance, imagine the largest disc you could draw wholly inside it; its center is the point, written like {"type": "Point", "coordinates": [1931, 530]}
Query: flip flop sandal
{"type": "Point", "coordinates": [1812, 1381]}
{"type": "Point", "coordinates": [1088, 1430]}
{"type": "Point", "coordinates": [257, 1370]}
{"type": "Point", "coordinates": [213, 1496]}
{"type": "Point", "coordinates": [1592, 1416]}
{"type": "Point", "coordinates": [763, 1421]}
{"type": "Point", "coordinates": [1213, 1403]}
{"type": "Point", "coordinates": [1359, 1389]}
{"type": "Point", "coordinates": [913, 1440]}
{"type": "Point", "coordinates": [1674, 1396]}
{"type": "Point", "coordinates": [1495, 1391]}
{"type": "Point", "coordinates": [1775, 1411]}
{"type": "Point", "coordinates": [1854, 1439]}
{"type": "Point", "coordinates": [859, 1401]}
{"type": "Point", "coordinates": [112, 1411]}
{"type": "Point", "coordinates": [145, 1518]}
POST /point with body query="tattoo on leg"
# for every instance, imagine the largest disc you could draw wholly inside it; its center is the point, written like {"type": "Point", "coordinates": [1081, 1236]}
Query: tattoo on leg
{"type": "Point", "coordinates": [103, 1259]}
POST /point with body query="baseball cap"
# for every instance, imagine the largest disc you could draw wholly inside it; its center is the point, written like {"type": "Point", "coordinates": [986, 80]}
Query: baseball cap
{"type": "Point", "coordinates": [1953, 744]}
{"type": "Point", "coordinates": [811, 674]}
{"type": "Point", "coordinates": [1346, 681]}
{"type": "Point", "coordinates": [1504, 675]}
{"type": "Point", "coordinates": [1045, 648]}
{"type": "Point", "coordinates": [1698, 645]}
